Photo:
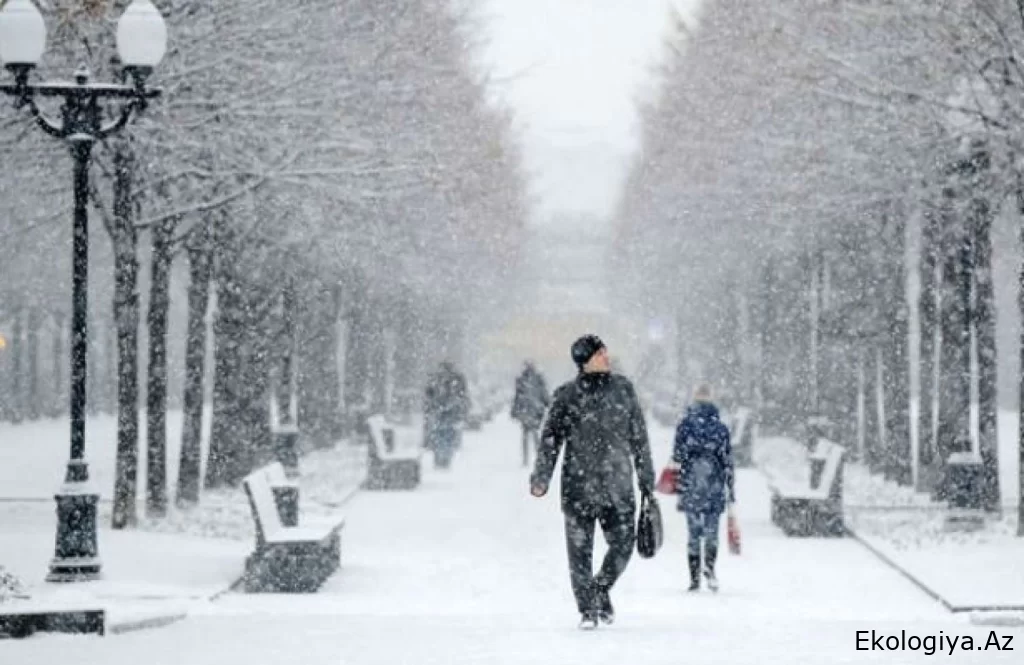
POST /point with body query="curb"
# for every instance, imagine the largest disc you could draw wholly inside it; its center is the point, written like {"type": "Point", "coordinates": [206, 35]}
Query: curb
{"type": "Point", "coordinates": [931, 593]}
{"type": "Point", "coordinates": [144, 624]}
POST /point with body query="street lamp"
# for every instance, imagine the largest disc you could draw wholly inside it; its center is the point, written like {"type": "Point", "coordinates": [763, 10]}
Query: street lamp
{"type": "Point", "coordinates": [141, 43]}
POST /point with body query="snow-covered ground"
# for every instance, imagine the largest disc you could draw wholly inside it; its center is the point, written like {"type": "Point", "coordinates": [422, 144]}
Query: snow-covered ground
{"type": "Point", "coordinates": [471, 569]}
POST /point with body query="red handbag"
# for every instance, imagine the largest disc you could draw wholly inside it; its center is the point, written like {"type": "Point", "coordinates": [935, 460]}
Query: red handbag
{"type": "Point", "coordinates": [733, 531]}
{"type": "Point", "coordinates": [668, 480]}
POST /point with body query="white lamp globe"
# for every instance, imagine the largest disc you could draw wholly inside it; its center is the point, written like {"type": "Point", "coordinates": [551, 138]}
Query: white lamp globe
{"type": "Point", "coordinates": [22, 33]}
{"type": "Point", "coordinates": [141, 35]}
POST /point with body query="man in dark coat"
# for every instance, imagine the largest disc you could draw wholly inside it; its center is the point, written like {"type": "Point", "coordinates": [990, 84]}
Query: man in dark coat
{"type": "Point", "coordinates": [703, 454]}
{"type": "Point", "coordinates": [598, 420]}
{"type": "Point", "coordinates": [445, 407]}
{"type": "Point", "coordinates": [528, 406]}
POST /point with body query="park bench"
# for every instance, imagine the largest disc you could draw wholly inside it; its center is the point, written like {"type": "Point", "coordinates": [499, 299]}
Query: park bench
{"type": "Point", "coordinates": [817, 508]}
{"type": "Point", "coordinates": [288, 557]}
{"type": "Point", "coordinates": [395, 455]}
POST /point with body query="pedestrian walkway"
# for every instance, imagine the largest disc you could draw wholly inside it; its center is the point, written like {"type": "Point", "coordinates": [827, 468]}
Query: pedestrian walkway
{"type": "Point", "coordinates": [471, 569]}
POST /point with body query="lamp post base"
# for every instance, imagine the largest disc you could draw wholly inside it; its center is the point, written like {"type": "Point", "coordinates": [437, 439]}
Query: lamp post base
{"type": "Point", "coordinates": [76, 555]}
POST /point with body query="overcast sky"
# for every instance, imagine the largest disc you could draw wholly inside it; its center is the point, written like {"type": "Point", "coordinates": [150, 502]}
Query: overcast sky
{"type": "Point", "coordinates": [573, 70]}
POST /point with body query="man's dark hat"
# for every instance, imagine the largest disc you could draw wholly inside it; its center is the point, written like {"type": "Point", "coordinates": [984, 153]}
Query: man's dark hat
{"type": "Point", "coordinates": [584, 349]}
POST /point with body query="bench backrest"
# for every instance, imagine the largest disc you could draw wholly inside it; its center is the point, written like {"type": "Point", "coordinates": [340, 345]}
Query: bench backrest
{"type": "Point", "coordinates": [832, 474]}
{"type": "Point", "coordinates": [375, 426]}
{"type": "Point", "coordinates": [276, 475]}
{"type": "Point", "coordinates": [821, 448]}
{"type": "Point", "coordinates": [387, 440]}
{"type": "Point", "coordinates": [261, 501]}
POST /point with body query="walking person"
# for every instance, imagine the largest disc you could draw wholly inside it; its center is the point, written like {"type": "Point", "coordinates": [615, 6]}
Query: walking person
{"type": "Point", "coordinates": [597, 419]}
{"type": "Point", "coordinates": [445, 407]}
{"type": "Point", "coordinates": [528, 406]}
{"type": "Point", "coordinates": [703, 455]}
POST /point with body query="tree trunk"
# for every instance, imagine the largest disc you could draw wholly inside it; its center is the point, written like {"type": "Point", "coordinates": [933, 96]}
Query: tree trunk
{"type": "Point", "coordinates": [254, 388]}
{"type": "Point", "coordinates": [110, 355]}
{"type": "Point", "coordinates": [814, 309]}
{"type": "Point", "coordinates": [357, 352]}
{"type": "Point", "coordinates": [126, 322]}
{"type": "Point", "coordinates": [58, 402]}
{"type": "Point", "coordinates": [797, 335]}
{"type": "Point", "coordinates": [378, 360]}
{"type": "Point", "coordinates": [771, 412]}
{"type": "Point", "coordinates": [1020, 384]}
{"type": "Point", "coordinates": [93, 378]}
{"type": "Point", "coordinates": [927, 317]}
{"type": "Point", "coordinates": [317, 364]}
{"type": "Point", "coordinates": [286, 375]}
{"type": "Point", "coordinates": [32, 344]}
{"type": "Point", "coordinates": [190, 464]}
{"type": "Point", "coordinates": [224, 462]}
{"type": "Point", "coordinates": [17, 387]}
{"type": "Point", "coordinates": [896, 360]}
{"type": "Point", "coordinates": [6, 373]}
{"type": "Point", "coordinates": [955, 357]}
{"type": "Point", "coordinates": [985, 332]}
{"type": "Point", "coordinates": [872, 443]}
{"type": "Point", "coordinates": [156, 386]}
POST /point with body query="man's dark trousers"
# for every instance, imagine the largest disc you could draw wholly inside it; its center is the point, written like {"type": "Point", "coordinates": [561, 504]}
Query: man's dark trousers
{"type": "Point", "coordinates": [620, 534]}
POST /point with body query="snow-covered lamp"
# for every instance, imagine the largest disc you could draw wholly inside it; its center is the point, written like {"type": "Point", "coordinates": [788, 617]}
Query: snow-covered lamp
{"type": "Point", "coordinates": [141, 36]}
{"type": "Point", "coordinates": [22, 35]}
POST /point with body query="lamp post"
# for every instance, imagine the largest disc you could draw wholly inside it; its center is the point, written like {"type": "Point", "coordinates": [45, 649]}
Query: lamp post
{"type": "Point", "coordinates": [141, 43]}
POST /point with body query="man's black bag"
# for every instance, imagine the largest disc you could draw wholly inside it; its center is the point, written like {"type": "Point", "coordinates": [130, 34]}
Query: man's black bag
{"type": "Point", "coordinates": [649, 532]}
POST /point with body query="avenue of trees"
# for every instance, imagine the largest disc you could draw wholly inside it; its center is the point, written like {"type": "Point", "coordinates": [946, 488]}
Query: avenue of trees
{"type": "Point", "coordinates": [814, 205]}
{"type": "Point", "coordinates": [311, 216]}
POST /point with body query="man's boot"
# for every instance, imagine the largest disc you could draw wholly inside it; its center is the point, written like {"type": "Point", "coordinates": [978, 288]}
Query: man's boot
{"type": "Point", "coordinates": [694, 561]}
{"type": "Point", "coordinates": [605, 609]}
{"type": "Point", "coordinates": [710, 555]}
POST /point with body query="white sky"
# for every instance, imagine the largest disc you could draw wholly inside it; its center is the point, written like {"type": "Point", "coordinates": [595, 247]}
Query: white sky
{"type": "Point", "coordinates": [573, 70]}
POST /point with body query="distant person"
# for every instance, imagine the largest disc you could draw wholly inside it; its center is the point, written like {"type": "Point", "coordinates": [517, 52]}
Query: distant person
{"type": "Point", "coordinates": [597, 419]}
{"type": "Point", "coordinates": [445, 409]}
{"type": "Point", "coordinates": [528, 406]}
{"type": "Point", "coordinates": [703, 454]}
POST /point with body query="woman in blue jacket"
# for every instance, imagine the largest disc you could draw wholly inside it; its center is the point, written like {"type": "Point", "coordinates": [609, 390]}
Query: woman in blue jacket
{"type": "Point", "coordinates": [703, 454]}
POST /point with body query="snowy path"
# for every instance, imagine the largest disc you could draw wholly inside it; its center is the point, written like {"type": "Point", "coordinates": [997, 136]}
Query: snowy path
{"type": "Point", "coordinates": [470, 569]}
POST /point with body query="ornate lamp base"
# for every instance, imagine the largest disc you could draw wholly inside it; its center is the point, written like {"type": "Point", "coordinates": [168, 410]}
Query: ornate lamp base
{"type": "Point", "coordinates": [76, 555]}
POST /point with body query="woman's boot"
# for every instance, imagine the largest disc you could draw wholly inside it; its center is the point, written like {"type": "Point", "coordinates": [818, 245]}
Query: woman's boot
{"type": "Point", "coordinates": [694, 561]}
{"type": "Point", "coordinates": [710, 555]}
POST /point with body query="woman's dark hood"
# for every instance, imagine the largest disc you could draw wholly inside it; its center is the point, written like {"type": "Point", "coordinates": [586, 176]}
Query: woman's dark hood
{"type": "Point", "coordinates": [705, 410]}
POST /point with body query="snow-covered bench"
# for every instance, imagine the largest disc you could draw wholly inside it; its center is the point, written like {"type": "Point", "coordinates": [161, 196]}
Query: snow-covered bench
{"type": "Point", "coordinates": [395, 455]}
{"type": "Point", "coordinates": [286, 558]}
{"type": "Point", "coordinates": [815, 509]}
